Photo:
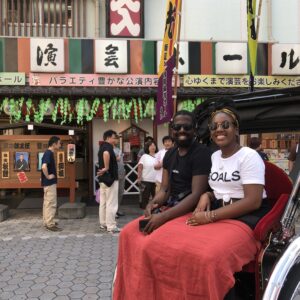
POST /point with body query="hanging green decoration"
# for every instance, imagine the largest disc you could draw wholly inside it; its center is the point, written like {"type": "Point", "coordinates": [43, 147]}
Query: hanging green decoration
{"type": "Point", "coordinates": [81, 108]}
{"type": "Point", "coordinates": [64, 111]}
{"type": "Point", "coordinates": [141, 114]}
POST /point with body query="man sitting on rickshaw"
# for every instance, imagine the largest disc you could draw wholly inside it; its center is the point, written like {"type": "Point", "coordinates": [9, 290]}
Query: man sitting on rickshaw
{"type": "Point", "coordinates": [181, 260]}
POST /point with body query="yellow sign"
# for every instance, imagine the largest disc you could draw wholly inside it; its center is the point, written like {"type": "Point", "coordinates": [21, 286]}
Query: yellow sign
{"type": "Point", "coordinates": [240, 81]}
{"type": "Point", "coordinates": [171, 32]}
{"type": "Point", "coordinates": [252, 33]}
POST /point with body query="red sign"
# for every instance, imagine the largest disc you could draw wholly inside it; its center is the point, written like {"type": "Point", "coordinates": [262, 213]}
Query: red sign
{"type": "Point", "coordinates": [96, 80]}
{"type": "Point", "coordinates": [22, 177]}
{"type": "Point", "coordinates": [125, 18]}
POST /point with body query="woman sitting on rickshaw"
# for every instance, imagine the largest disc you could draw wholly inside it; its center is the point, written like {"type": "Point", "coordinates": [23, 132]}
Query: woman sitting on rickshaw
{"type": "Point", "coordinates": [177, 261]}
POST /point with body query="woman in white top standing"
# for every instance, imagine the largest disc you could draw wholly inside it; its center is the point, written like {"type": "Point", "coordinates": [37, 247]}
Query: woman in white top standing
{"type": "Point", "coordinates": [147, 174]}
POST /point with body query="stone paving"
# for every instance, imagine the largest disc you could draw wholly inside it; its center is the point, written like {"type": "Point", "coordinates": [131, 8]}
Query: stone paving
{"type": "Point", "coordinates": [77, 263]}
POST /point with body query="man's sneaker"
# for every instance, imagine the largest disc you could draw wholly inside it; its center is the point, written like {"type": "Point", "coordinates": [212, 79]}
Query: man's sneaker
{"type": "Point", "coordinates": [102, 228]}
{"type": "Point", "coordinates": [120, 214]}
{"type": "Point", "coordinates": [115, 230]}
{"type": "Point", "coordinates": [55, 223]}
{"type": "Point", "coordinates": [53, 228]}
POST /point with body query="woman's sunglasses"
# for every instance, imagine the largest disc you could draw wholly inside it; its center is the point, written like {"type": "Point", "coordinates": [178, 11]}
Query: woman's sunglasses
{"type": "Point", "coordinates": [186, 127]}
{"type": "Point", "coordinates": [224, 125]}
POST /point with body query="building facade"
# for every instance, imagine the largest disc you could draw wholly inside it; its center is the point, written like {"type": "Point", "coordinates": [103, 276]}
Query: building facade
{"type": "Point", "coordinates": [94, 63]}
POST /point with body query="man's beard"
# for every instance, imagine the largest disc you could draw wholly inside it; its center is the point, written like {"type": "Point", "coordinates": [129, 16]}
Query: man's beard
{"type": "Point", "coordinates": [184, 143]}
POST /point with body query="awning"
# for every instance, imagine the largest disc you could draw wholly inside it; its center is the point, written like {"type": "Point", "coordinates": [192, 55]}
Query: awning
{"type": "Point", "coordinates": [273, 110]}
{"type": "Point", "coordinates": [31, 91]}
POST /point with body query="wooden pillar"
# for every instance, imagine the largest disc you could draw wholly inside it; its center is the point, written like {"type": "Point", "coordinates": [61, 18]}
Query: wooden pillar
{"type": "Point", "coordinates": [90, 160]}
{"type": "Point", "coordinates": [154, 132]}
{"type": "Point", "coordinates": [72, 183]}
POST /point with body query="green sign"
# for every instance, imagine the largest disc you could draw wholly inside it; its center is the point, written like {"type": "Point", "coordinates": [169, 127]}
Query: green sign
{"type": "Point", "coordinates": [12, 78]}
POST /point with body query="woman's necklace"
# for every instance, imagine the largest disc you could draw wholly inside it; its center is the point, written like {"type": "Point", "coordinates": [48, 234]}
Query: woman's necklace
{"type": "Point", "coordinates": [236, 149]}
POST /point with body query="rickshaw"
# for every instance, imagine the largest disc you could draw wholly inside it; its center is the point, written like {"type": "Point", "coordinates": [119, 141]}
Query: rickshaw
{"type": "Point", "coordinates": [276, 268]}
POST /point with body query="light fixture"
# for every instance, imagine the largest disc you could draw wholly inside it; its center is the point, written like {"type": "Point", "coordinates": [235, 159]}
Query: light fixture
{"type": "Point", "coordinates": [71, 132]}
{"type": "Point", "coordinates": [30, 126]}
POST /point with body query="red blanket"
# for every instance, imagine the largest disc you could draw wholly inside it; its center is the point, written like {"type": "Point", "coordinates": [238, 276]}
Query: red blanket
{"type": "Point", "coordinates": [179, 262]}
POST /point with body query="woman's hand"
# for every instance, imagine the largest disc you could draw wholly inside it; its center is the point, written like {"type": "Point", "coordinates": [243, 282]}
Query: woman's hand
{"type": "Point", "coordinates": [198, 218]}
{"type": "Point", "coordinates": [203, 204]}
{"type": "Point", "coordinates": [149, 208]}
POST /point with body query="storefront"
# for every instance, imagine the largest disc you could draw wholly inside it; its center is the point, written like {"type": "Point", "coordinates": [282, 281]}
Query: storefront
{"type": "Point", "coordinates": [82, 85]}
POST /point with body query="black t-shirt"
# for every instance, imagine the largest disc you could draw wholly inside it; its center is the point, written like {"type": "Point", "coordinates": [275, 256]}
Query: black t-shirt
{"type": "Point", "coordinates": [181, 169]}
{"type": "Point", "coordinates": [48, 158]}
{"type": "Point", "coordinates": [113, 166]}
{"type": "Point", "coordinates": [263, 155]}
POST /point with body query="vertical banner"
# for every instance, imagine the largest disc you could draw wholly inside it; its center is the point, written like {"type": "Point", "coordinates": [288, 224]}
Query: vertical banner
{"type": "Point", "coordinates": [164, 105]}
{"type": "Point", "coordinates": [252, 38]}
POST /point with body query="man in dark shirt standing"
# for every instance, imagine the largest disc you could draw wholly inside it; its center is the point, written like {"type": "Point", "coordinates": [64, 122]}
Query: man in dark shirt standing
{"type": "Point", "coordinates": [108, 168]}
{"type": "Point", "coordinates": [49, 183]}
{"type": "Point", "coordinates": [185, 172]}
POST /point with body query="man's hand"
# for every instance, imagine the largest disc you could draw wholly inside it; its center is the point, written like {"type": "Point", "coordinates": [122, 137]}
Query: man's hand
{"type": "Point", "coordinates": [155, 221]}
{"type": "Point", "coordinates": [51, 176]}
{"type": "Point", "coordinates": [149, 208]}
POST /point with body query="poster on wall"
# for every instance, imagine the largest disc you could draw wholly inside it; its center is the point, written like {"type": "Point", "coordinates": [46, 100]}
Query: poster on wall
{"type": "Point", "coordinates": [5, 164]}
{"type": "Point", "coordinates": [61, 167]}
{"type": "Point", "coordinates": [22, 162]}
{"type": "Point", "coordinates": [39, 160]}
{"type": "Point", "coordinates": [125, 18]}
{"type": "Point", "coordinates": [22, 177]}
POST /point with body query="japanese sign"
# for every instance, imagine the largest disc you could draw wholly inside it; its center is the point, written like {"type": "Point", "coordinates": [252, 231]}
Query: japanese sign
{"type": "Point", "coordinates": [95, 80]}
{"type": "Point", "coordinates": [231, 58]}
{"type": "Point", "coordinates": [240, 81]}
{"type": "Point", "coordinates": [252, 33]}
{"type": "Point", "coordinates": [47, 55]}
{"type": "Point", "coordinates": [164, 104]}
{"type": "Point", "coordinates": [285, 59]}
{"type": "Point", "coordinates": [12, 78]}
{"type": "Point", "coordinates": [125, 18]}
{"type": "Point", "coordinates": [111, 56]}
{"type": "Point", "coordinates": [22, 177]}
{"type": "Point", "coordinates": [183, 61]}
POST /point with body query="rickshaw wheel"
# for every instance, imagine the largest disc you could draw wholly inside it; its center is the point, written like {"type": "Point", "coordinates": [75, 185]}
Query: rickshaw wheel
{"type": "Point", "coordinates": [291, 286]}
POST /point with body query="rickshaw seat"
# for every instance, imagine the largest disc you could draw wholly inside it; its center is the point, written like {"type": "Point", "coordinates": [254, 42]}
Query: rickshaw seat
{"type": "Point", "coordinates": [278, 187]}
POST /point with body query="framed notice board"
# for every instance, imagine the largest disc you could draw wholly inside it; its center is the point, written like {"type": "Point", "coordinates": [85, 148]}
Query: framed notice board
{"type": "Point", "coordinates": [23, 154]}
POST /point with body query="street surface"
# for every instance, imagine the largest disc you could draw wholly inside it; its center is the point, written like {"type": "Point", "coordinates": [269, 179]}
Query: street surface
{"type": "Point", "coordinates": [77, 263]}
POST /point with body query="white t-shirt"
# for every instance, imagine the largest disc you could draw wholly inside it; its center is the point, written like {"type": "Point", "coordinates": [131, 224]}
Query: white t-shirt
{"type": "Point", "coordinates": [159, 159]}
{"type": "Point", "coordinates": [228, 175]}
{"type": "Point", "coordinates": [148, 162]}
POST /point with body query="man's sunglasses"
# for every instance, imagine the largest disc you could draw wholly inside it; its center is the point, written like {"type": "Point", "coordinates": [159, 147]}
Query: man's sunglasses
{"type": "Point", "coordinates": [186, 127]}
{"type": "Point", "coordinates": [224, 125]}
